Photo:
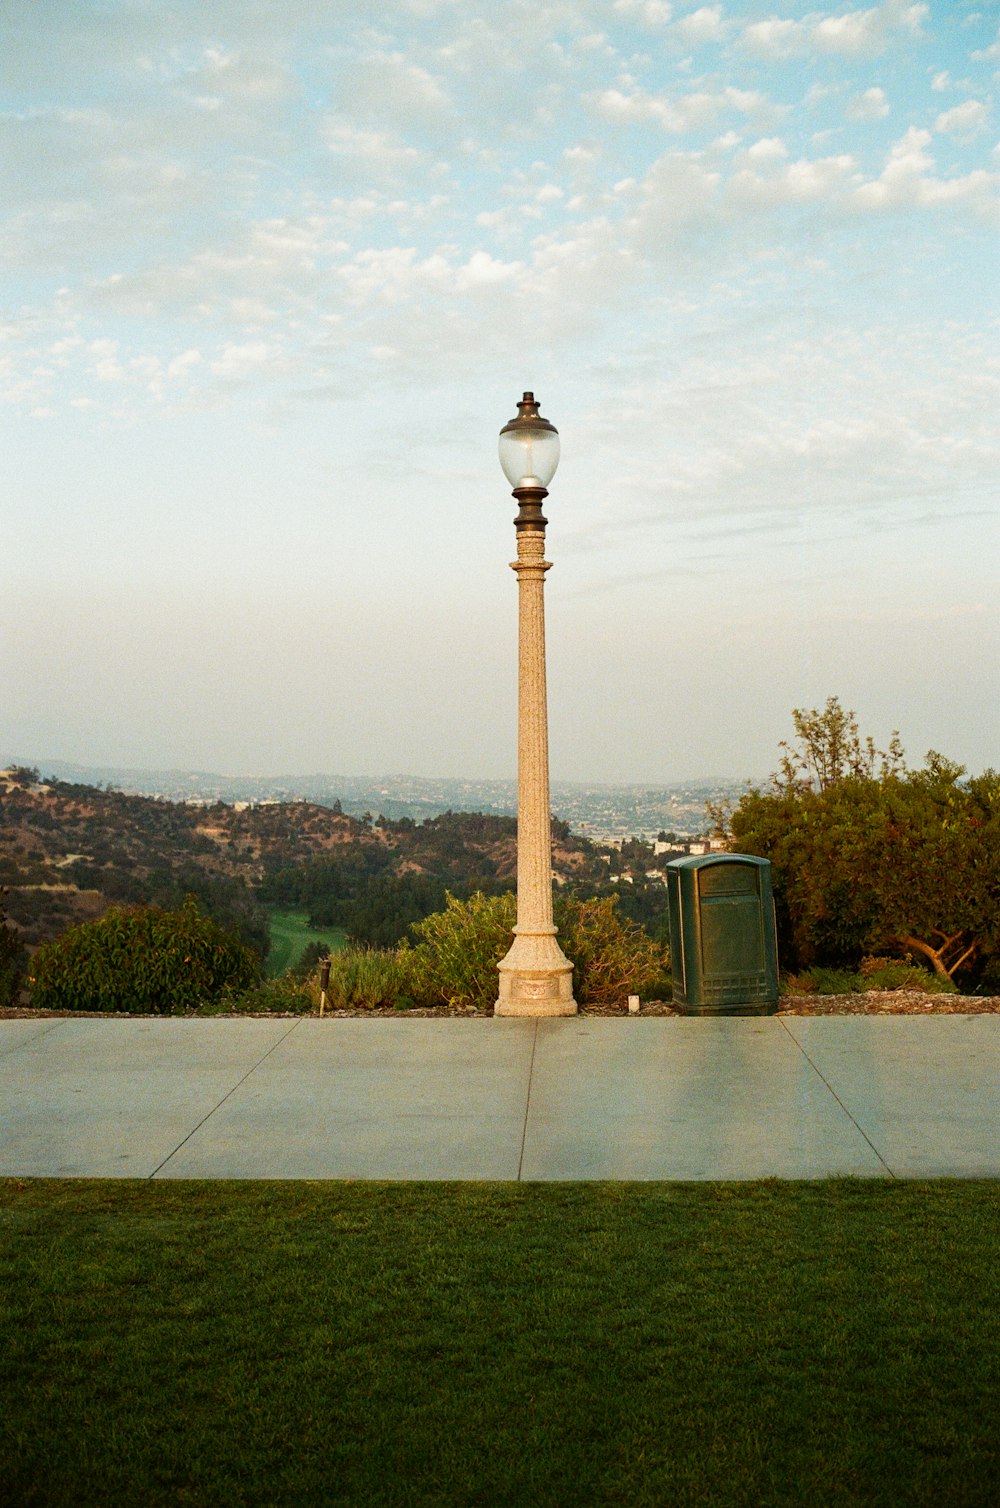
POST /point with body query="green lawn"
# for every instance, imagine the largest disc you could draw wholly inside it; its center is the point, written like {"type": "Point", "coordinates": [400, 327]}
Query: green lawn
{"type": "Point", "coordinates": [427, 1344]}
{"type": "Point", "coordinates": [291, 934]}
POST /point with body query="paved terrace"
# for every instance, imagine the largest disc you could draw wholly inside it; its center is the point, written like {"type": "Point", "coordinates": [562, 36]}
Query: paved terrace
{"type": "Point", "coordinates": [579, 1098]}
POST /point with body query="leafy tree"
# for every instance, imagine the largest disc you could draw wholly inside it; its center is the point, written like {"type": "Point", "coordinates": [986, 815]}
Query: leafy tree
{"type": "Point", "coordinates": [869, 857]}
{"type": "Point", "coordinates": [828, 749]}
{"type": "Point", "coordinates": [311, 956]}
{"type": "Point", "coordinates": [23, 775]}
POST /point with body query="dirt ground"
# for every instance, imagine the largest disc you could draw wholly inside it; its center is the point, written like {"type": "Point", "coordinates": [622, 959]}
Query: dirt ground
{"type": "Point", "coordinates": [873, 1003]}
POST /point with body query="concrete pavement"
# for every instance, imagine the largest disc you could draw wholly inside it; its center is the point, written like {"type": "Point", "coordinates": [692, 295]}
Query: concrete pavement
{"type": "Point", "coordinates": [577, 1098]}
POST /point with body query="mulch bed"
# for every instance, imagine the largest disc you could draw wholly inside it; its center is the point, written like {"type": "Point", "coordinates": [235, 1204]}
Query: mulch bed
{"type": "Point", "coordinates": [872, 1003]}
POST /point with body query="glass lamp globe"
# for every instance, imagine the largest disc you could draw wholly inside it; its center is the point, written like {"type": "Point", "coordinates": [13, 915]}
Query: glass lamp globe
{"type": "Point", "coordinates": [529, 447]}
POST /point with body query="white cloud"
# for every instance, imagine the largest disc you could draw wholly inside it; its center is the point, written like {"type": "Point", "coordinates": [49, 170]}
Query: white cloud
{"type": "Point", "coordinates": [106, 366]}
{"type": "Point", "coordinates": [395, 274]}
{"type": "Point", "coordinates": [908, 181]}
{"type": "Point", "coordinates": [988, 54]}
{"type": "Point", "coordinates": [963, 122]}
{"type": "Point", "coordinates": [184, 363]}
{"type": "Point", "coordinates": [855, 33]}
{"type": "Point", "coordinates": [775, 38]}
{"type": "Point", "coordinates": [681, 113]}
{"type": "Point", "coordinates": [801, 182]}
{"type": "Point", "coordinates": [240, 77]}
{"type": "Point", "coordinates": [649, 12]}
{"type": "Point", "coordinates": [768, 148]}
{"type": "Point", "coordinates": [370, 155]}
{"type": "Point", "coordinates": [395, 92]}
{"type": "Point", "coordinates": [871, 105]}
{"type": "Point", "coordinates": [679, 199]}
{"type": "Point", "coordinates": [702, 25]}
{"type": "Point", "coordinates": [242, 363]}
{"type": "Point", "coordinates": [941, 81]}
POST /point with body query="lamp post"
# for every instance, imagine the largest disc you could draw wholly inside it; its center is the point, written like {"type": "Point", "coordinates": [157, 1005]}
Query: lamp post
{"type": "Point", "coordinates": [536, 977]}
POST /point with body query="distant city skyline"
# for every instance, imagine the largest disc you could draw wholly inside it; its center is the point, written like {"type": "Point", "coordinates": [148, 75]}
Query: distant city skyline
{"type": "Point", "coordinates": [591, 807]}
{"type": "Point", "coordinates": [276, 276]}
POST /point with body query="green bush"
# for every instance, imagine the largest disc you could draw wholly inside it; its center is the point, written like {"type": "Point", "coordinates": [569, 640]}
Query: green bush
{"type": "Point", "coordinates": [873, 974]}
{"type": "Point", "coordinates": [836, 982]}
{"type": "Point", "coordinates": [288, 994]}
{"type": "Point", "coordinates": [454, 962]}
{"type": "Point", "coordinates": [141, 960]}
{"type": "Point", "coordinates": [455, 959]}
{"type": "Point", "coordinates": [365, 979]}
{"type": "Point", "coordinates": [612, 956]}
{"type": "Point", "coordinates": [894, 974]}
{"type": "Point", "coordinates": [12, 961]}
{"type": "Point", "coordinates": [309, 959]}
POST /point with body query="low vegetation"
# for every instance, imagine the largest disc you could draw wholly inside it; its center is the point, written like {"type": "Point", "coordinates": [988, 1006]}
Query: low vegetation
{"type": "Point", "coordinates": [142, 960]}
{"type": "Point", "coordinates": [12, 960]}
{"type": "Point", "coordinates": [454, 960]}
{"type": "Point", "coordinates": [419, 1344]}
{"type": "Point", "coordinates": [873, 974]}
{"type": "Point", "coordinates": [367, 979]}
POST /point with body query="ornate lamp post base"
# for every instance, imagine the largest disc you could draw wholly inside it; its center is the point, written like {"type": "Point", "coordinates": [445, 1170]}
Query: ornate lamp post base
{"type": "Point", "coordinates": [536, 978]}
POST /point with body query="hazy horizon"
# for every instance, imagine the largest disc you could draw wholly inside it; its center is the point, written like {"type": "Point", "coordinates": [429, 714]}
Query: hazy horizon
{"type": "Point", "coordinates": [278, 275]}
{"type": "Point", "coordinates": [51, 766]}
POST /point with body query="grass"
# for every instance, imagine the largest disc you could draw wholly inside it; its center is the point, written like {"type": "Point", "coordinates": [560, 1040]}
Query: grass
{"type": "Point", "coordinates": [291, 934]}
{"type": "Point", "coordinates": [418, 1344]}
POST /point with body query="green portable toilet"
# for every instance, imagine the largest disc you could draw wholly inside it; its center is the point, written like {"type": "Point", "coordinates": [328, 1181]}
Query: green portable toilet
{"type": "Point", "coordinates": [722, 938]}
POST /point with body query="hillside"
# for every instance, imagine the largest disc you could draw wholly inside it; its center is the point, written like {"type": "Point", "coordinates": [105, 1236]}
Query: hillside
{"type": "Point", "coordinates": [68, 851]}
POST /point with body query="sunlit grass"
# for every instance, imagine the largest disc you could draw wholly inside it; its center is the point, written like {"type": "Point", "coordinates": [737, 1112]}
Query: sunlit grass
{"type": "Point", "coordinates": [291, 934]}
{"type": "Point", "coordinates": [815, 1343]}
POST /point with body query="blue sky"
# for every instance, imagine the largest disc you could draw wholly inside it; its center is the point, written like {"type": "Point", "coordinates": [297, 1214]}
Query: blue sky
{"type": "Point", "coordinates": [276, 274]}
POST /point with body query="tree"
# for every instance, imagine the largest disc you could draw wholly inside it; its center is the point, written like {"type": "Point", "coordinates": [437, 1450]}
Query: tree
{"type": "Point", "coordinates": [828, 749]}
{"type": "Point", "coordinates": [870, 857]}
{"type": "Point", "coordinates": [23, 775]}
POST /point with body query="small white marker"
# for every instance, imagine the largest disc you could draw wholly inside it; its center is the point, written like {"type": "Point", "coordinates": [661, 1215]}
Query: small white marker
{"type": "Point", "coordinates": [633, 1005]}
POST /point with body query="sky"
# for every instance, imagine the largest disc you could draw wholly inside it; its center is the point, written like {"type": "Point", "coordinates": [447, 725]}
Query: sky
{"type": "Point", "coordinates": [276, 272]}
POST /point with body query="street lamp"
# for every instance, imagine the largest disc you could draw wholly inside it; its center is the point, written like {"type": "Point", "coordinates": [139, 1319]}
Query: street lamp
{"type": "Point", "coordinates": [536, 977]}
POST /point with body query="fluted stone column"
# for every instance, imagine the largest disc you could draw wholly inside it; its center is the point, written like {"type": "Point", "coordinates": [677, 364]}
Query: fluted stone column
{"type": "Point", "coordinates": [536, 977]}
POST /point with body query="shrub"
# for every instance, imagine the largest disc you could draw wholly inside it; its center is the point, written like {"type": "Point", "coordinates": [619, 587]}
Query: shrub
{"type": "Point", "coordinates": [455, 960]}
{"type": "Point", "coordinates": [141, 960]}
{"type": "Point", "coordinates": [895, 974]}
{"type": "Point", "coordinates": [287, 994]}
{"type": "Point", "coordinates": [12, 960]}
{"type": "Point", "coordinates": [364, 979]}
{"type": "Point", "coordinates": [613, 957]}
{"type": "Point", "coordinates": [309, 959]}
{"type": "Point", "coordinates": [836, 982]}
{"type": "Point", "coordinates": [873, 974]}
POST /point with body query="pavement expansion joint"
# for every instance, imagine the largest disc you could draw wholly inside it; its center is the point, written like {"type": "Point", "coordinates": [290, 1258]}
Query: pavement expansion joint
{"type": "Point", "coordinates": [229, 1092]}
{"type": "Point", "coordinates": [27, 1042]}
{"type": "Point", "coordinates": [527, 1101]}
{"type": "Point", "coordinates": [860, 1129]}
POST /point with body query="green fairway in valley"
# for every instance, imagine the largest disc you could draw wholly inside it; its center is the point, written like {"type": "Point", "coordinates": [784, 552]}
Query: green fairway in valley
{"type": "Point", "coordinates": [291, 934]}
{"type": "Point", "coordinates": [657, 1344]}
